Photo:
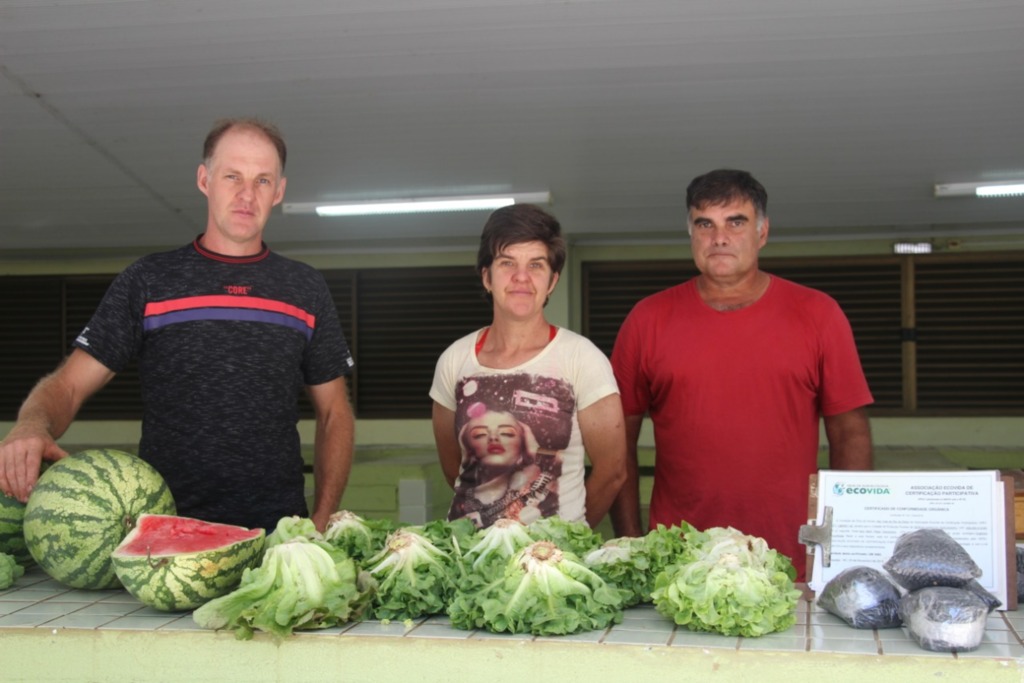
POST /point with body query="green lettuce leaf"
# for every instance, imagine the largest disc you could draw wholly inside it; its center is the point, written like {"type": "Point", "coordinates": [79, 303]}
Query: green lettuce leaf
{"type": "Point", "coordinates": [667, 545]}
{"type": "Point", "coordinates": [575, 537]}
{"type": "Point", "coordinates": [293, 527]}
{"type": "Point", "coordinates": [359, 538]}
{"type": "Point", "coordinates": [451, 536]}
{"type": "Point", "coordinates": [624, 562]}
{"type": "Point", "coordinates": [490, 548]}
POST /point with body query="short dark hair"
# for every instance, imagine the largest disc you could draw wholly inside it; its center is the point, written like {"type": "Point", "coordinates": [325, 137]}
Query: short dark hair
{"type": "Point", "coordinates": [724, 186]}
{"type": "Point", "coordinates": [265, 128]}
{"type": "Point", "coordinates": [516, 224]}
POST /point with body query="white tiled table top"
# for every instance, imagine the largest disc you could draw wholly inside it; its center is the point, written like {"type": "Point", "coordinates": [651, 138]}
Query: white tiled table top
{"type": "Point", "coordinates": [36, 601]}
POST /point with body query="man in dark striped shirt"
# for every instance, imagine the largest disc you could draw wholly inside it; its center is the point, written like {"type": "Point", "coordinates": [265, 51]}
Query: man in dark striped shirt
{"type": "Point", "coordinates": [227, 334]}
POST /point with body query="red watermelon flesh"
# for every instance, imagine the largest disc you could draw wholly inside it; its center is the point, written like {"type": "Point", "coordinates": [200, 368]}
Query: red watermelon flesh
{"type": "Point", "coordinates": [170, 535]}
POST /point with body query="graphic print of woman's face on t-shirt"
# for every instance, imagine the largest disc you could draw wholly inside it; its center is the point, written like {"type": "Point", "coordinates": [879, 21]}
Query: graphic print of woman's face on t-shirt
{"type": "Point", "coordinates": [510, 430]}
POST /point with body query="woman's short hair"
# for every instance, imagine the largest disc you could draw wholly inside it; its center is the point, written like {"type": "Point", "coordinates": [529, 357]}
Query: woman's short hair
{"type": "Point", "coordinates": [517, 224]}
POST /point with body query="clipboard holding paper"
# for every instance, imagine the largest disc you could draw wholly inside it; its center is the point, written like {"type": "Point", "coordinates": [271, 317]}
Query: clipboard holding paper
{"type": "Point", "coordinates": [856, 518]}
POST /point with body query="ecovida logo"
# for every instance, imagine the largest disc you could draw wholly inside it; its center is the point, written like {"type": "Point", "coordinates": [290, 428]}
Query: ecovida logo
{"type": "Point", "coordinates": [841, 489]}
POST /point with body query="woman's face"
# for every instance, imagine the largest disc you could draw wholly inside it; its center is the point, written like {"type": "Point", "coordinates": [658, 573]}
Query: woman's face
{"type": "Point", "coordinates": [520, 279]}
{"type": "Point", "coordinates": [495, 439]}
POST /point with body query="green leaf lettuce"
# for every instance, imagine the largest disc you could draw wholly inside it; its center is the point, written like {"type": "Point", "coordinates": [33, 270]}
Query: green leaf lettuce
{"type": "Point", "coordinates": [728, 583]}
{"type": "Point", "coordinates": [299, 585]}
{"type": "Point", "coordinates": [543, 591]}
{"type": "Point", "coordinates": [414, 576]}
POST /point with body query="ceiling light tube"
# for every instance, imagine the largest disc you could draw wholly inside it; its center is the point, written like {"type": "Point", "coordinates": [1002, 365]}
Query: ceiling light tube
{"type": "Point", "coordinates": [417, 204]}
{"type": "Point", "coordinates": [1007, 188]}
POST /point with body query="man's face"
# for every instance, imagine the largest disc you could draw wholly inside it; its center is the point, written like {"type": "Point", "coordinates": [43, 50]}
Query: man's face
{"type": "Point", "coordinates": [725, 240]}
{"type": "Point", "coordinates": [242, 182]}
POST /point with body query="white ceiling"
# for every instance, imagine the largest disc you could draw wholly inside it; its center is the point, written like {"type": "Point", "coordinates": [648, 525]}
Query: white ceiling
{"type": "Point", "coordinates": [849, 111]}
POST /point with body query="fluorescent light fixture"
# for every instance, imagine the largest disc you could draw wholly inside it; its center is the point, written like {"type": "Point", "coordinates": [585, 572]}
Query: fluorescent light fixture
{"type": "Point", "coordinates": [418, 204]}
{"type": "Point", "coordinates": [912, 248]}
{"type": "Point", "coordinates": [1010, 190]}
{"type": "Point", "coordinates": [1007, 188]}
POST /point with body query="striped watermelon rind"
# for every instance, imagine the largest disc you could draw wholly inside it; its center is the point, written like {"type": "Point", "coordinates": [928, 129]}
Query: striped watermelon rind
{"type": "Point", "coordinates": [12, 537]}
{"type": "Point", "coordinates": [180, 577]}
{"type": "Point", "coordinates": [83, 506]}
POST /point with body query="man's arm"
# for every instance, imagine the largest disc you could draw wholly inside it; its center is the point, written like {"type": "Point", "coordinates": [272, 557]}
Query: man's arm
{"type": "Point", "coordinates": [45, 415]}
{"type": "Point", "coordinates": [333, 446]}
{"type": "Point", "coordinates": [447, 442]}
{"type": "Point", "coordinates": [849, 440]}
{"type": "Point", "coordinates": [626, 508]}
{"type": "Point", "coordinates": [604, 438]}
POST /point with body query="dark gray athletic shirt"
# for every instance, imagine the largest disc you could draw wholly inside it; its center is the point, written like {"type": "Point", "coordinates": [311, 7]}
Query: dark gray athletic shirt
{"type": "Point", "coordinates": [225, 346]}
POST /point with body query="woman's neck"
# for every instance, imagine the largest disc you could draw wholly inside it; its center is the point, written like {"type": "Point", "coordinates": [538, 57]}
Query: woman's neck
{"type": "Point", "coordinates": [507, 344]}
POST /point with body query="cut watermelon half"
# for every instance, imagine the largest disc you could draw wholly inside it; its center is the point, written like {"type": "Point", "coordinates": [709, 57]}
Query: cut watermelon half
{"type": "Point", "coordinates": [176, 563]}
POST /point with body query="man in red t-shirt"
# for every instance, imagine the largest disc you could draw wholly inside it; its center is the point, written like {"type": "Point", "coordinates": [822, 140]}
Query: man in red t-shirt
{"type": "Point", "coordinates": [735, 368]}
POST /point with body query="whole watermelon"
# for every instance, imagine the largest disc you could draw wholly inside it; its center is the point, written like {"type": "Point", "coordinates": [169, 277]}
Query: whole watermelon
{"type": "Point", "coordinates": [178, 563]}
{"type": "Point", "coordinates": [83, 506]}
{"type": "Point", "coordinates": [12, 538]}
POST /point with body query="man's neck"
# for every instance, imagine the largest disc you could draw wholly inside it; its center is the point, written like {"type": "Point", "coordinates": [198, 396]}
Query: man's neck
{"type": "Point", "coordinates": [211, 242]}
{"type": "Point", "coordinates": [733, 296]}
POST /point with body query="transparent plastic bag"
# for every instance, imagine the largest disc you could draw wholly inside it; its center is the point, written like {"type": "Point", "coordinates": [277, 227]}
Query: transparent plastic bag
{"type": "Point", "coordinates": [930, 557]}
{"type": "Point", "coordinates": [1020, 573]}
{"type": "Point", "coordinates": [991, 601]}
{"type": "Point", "coordinates": [863, 597]}
{"type": "Point", "coordinates": [944, 619]}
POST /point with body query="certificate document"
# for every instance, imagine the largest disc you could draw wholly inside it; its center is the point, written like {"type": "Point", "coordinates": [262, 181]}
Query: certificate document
{"type": "Point", "coordinates": [870, 510]}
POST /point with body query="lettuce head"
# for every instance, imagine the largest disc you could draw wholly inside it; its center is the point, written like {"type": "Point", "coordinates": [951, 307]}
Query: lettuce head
{"type": "Point", "coordinates": [728, 583]}
{"type": "Point", "coordinates": [299, 585]}
{"type": "Point", "coordinates": [414, 576]}
{"type": "Point", "coordinates": [543, 590]}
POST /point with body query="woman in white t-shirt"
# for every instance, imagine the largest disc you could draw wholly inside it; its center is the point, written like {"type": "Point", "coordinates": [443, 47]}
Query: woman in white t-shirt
{"type": "Point", "coordinates": [535, 379]}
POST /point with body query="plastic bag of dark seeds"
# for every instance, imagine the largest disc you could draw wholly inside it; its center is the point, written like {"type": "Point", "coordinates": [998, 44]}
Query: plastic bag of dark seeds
{"type": "Point", "coordinates": [991, 601]}
{"type": "Point", "coordinates": [1020, 573]}
{"type": "Point", "coordinates": [930, 557]}
{"type": "Point", "coordinates": [944, 619]}
{"type": "Point", "coordinates": [863, 597]}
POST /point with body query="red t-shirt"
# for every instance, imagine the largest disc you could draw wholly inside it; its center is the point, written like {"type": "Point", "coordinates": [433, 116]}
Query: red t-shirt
{"type": "Point", "coordinates": [735, 398]}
